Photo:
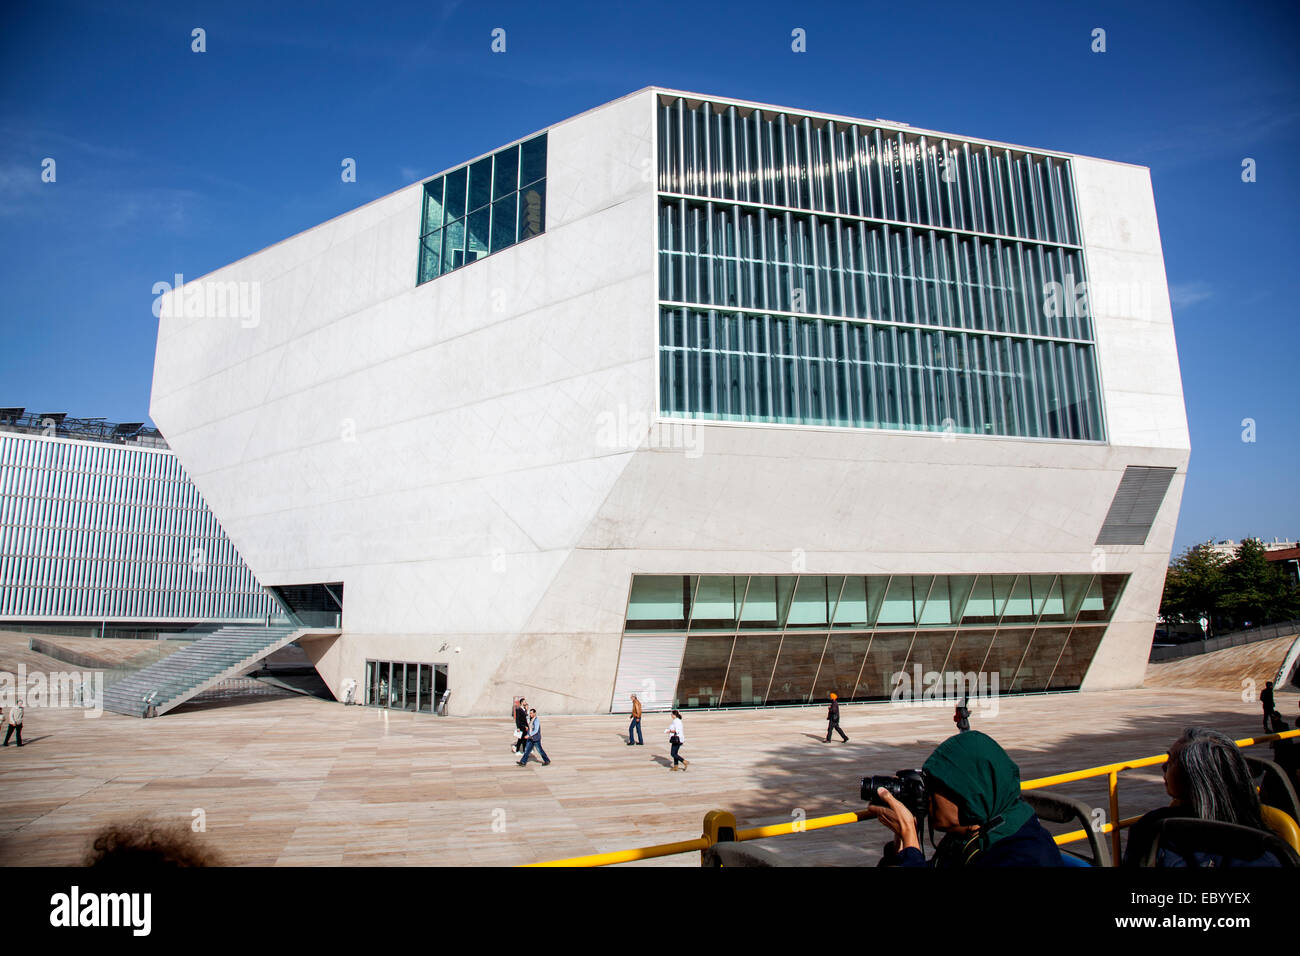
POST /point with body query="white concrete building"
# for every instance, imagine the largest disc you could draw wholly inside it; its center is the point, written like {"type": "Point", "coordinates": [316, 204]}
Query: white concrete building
{"type": "Point", "coordinates": [721, 404]}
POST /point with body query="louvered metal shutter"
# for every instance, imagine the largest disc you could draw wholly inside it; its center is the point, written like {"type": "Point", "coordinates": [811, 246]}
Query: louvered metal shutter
{"type": "Point", "coordinates": [648, 667]}
{"type": "Point", "coordinates": [1134, 507]}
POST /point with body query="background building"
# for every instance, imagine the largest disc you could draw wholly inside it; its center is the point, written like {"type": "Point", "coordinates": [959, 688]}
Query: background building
{"type": "Point", "coordinates": [1228, 548]}
{"type": "Point", "coordinates": [101, 531]}
{"type": "Point", "coordinates": [716, 402]}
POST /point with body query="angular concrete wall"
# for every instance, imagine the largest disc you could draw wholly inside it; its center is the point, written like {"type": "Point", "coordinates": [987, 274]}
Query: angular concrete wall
{"type": "Point", "coordinates": [473, 458]}
{"type": "Point", "coordinates": [1142, 386]}
{"type": "Point", "coordinates": [437, 448]}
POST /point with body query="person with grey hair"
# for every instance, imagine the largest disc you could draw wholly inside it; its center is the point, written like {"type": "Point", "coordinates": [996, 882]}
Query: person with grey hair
{"type": "Point", "coordinates": [1207, 778]}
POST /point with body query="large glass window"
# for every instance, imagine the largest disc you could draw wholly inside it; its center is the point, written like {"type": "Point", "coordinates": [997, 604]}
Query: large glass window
{"type": "Point", "coordinates": [930, 650]}
{"type": "Point", "coordinates": [814, 601]}
{"type": "Point", "coordinates": [717, 602]}
{"type": "Point", "coordinates": [1006, 653]}
{"type": "Point", "coordinates": [841, 665]}
{"type": "Point", "coordinates": [767, 602]}
{"type": "Point", "coordinates": [480, 182]}
{"type": "Point", "coordinates": [532, 210]}
{"type": "Point", "coordinates": [1040, 659]}
{"type": "Point", "coordinates": [899, 606]}
{"type": "Point", "coordinates": [851, 611]}
{"type": "Point", "coordinates": [763, 639]}
{"type": "Point", "coordinates": [885, 659]}
{"type": "Point", "coordinates": [969, 650]}
{"type": "Point", "coordinates": [479, 209]}
{"type": "Point", "coordinates": [704, 669]}
{"type": "Point", "coordinates": [659, 602]}
{"type": "Point", "coordinates": [1103, 595]}
{"type": "Point", "coordinates": [783, 602]}
{"type": "Point", "coordinates": [1075, 658]}
{"type": "Point", "coordinates": [752, 661]}
{"type": "Point", "coordinates": [942, 292]}
{"type": "Point", "coordinates": [796, 668]}
{"type": "Point", "coordinates": [505, 180]}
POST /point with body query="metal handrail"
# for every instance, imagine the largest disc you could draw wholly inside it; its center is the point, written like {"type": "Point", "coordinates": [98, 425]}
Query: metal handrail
{"type": "Point", "coordinates": [628, 856]}
{"type": "Point", "coordinates": [710, 836]}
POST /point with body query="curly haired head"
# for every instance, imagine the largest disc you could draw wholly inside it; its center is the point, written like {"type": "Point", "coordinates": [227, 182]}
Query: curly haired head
{"type": "Point", "coordinates": [148, 844]}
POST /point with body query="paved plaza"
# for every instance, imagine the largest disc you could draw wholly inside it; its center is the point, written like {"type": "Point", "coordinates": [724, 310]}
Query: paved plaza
{"type": "Point", "coordinates": [302, 781]}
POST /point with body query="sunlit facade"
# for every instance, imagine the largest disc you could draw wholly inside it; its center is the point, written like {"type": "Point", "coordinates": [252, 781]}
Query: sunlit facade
{"type": "Point", "coordinates": [719, 403]}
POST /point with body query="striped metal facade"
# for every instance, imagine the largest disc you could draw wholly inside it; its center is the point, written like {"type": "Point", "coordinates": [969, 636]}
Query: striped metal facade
{"type": "Point", "coordinates": [93, 531]}
{"type": "Point", "coordinates": [649, 666]}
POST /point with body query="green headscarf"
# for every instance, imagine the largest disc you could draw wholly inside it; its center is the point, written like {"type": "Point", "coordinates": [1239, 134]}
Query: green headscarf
{"type": "Point", "coordinates": [983, 781]}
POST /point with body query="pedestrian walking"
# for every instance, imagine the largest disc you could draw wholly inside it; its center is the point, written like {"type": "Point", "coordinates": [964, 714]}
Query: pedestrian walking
{"type": "Point", "coordinates": [635, 724]}
{"type": "Point", "coordinates": [833, 719]}
{"type": "Point", "coordinates": [962, 717]}
{"type": "Point", "coordinates": [521, 723]}
{"type": "Point", "coordinates": [1266, 698]}
{"type": "Point", "coordinates": [534, 740]}
{"type": "Point", "coordinates": [677, 737]}
{"type": "Point", "coordinates": [15, 723]}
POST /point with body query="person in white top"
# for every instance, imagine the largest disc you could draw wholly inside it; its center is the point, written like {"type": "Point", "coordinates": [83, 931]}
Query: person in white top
{"type": "Point", "coordinates": [677, 737]}
{"type": "Point", "coordinates": [15, 723]}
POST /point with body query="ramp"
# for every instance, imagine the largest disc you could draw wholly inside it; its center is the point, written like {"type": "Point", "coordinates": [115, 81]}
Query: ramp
{"type": "Point", "coordinates": [1225, 669]}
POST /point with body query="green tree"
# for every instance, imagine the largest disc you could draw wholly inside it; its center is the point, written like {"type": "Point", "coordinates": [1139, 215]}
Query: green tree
{"type": "Point", "coordinates": [1194, 585]}
{"type": "Point", "coordinates": [1256, 590]}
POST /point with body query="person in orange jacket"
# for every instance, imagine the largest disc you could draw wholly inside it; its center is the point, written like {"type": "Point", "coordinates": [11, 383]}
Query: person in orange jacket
{"type": "Point", "coordinates": [635, 724]}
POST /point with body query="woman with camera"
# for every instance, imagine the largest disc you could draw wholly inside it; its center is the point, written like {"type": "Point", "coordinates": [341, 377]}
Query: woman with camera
{"type": "Point", "coordinates": [970, 789]}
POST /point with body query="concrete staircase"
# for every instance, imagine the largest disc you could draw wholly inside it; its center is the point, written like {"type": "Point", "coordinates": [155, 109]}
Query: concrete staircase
{"type": "Point", "coordinates": [224, 653]}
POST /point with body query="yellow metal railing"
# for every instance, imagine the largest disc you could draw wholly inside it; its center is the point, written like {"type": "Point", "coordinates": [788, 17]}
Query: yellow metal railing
{"type": "Point", "coordinates": [628, 856]}
{"type": "Point", "coordinates": [717, 821]}
{"type": "Point", "coordinates": [1112, 772]}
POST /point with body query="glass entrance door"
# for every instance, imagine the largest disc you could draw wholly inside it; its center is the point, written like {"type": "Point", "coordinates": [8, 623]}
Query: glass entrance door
{"type": "Point", "coordinates": [404, 685]}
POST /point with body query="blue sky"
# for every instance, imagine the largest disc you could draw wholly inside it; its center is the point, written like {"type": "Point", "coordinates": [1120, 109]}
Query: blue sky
{"type": "Point", "coordinates": [170, 161]}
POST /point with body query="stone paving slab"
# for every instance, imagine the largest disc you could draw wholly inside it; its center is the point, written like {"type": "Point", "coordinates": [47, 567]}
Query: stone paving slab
{"type": "Point", "coordinates": [300, 781]}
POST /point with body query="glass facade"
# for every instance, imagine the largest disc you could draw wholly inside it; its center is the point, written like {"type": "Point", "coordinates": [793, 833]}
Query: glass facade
{"type": "Point", "coordinates": [483, 207]}
{"type": "Point", "coordinates": [821, 273]}
{"type": "Point", "coordinates": [789, 639]}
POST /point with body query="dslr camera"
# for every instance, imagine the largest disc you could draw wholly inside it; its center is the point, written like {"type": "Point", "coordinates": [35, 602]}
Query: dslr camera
{"type": "Point", "coordinates": [907, 787]}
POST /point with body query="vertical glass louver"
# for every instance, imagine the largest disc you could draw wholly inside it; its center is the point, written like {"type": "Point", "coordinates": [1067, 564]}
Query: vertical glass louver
{"type": "Point", "coordinates": [483, 207]}
{"type": "Point", "coordinates": [822, 273]}
{"type": "Point", "coordinates": [101, 531]}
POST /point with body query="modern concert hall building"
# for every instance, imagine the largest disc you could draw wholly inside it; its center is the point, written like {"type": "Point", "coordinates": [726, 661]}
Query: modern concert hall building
{"type": "Point", "coordinates": [715, 402]}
